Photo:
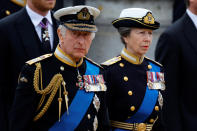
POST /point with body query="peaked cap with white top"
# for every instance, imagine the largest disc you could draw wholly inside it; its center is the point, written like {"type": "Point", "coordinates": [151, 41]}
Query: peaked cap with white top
{"type": "Point", "coordinates": [136, 17]}
{"type": "Point", "coordinates": [79, 18]}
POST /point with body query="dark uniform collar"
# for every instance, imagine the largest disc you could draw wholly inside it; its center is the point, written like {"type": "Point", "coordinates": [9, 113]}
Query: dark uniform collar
{"type": "Point", "coordinates": [63, 57]}
{"type": "Point", "coordinates": [131, 57]}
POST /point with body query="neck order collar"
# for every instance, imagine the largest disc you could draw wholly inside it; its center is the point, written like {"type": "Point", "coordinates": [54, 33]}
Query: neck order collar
{"type": "Point", "coordinates": [63, 57]}
{"type": "Point", "coordinates": [131, 57]}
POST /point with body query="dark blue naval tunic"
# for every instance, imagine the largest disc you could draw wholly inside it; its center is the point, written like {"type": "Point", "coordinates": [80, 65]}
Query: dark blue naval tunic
{"type": "Point", "coordinates": [27, 100]}
{"type": "Point", "coordinates": [126, 79]}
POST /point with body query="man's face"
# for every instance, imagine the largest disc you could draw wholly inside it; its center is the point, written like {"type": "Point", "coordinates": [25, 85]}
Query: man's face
{"type": "Point", "coordinates": [75, 43]}
{"type": "Point", "coordinates": [138, 41]}
{"type": "Point", "coordinates": [43, 5]}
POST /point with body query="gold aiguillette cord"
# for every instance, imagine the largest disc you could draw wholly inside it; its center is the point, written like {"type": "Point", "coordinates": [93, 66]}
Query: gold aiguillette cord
{"type": "Point", "coordinates": [60, 103]}
{"type": "Point", "coordinates": [65, 96]}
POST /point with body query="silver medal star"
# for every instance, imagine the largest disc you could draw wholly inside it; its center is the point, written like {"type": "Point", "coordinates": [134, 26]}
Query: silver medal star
{"type": "Point", "coordinates": [160, 100]}
{"type": "Point", "coordinates": [96, 103]}
{"type": "Point", "coordinates": [95, 124]}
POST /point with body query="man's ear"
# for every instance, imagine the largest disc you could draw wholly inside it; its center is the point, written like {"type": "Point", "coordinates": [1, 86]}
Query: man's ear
{"type": "Point", "coordinates": [59, 34]}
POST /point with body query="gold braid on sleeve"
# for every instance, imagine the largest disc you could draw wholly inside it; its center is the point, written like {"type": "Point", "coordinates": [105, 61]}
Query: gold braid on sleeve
{"type": "Point", "coordinates": [52, 88]}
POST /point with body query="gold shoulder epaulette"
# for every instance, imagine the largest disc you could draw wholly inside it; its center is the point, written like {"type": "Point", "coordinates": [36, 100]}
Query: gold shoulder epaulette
{"type": "Point", "coordinates": [111, 61]}
{"type": "Point", "coordinates": [93, 62]}
{"type": "Point", "coordinates": [157, 63]}
{"type": "Point", "coordinates": [21, 3]}
{"type": "Point", "coordinates": [30, 62]}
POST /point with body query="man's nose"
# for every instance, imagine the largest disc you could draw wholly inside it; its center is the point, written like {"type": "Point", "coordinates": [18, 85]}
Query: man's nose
{"type": "Point", "coordinates": [81, 39]}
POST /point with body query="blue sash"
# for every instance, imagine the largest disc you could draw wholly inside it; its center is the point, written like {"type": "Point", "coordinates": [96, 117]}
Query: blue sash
{"type": "Point", "coordinates": [147, 105]}
{"type": "Point", "coordinates": [78, 107]}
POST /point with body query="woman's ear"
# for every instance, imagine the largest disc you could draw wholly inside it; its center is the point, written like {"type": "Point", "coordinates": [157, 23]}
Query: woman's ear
{"type": "Point", "coordinates": [125, 40]}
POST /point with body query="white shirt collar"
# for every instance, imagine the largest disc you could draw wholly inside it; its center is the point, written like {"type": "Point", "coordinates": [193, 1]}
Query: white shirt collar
{"type": "Point", "coordinates": [193, 17]}
{"type": "Point", "coordinates": [36, 18]}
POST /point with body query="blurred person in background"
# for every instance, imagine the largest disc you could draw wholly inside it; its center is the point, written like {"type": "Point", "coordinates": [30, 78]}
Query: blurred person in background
{"type": "Point", "coordinates": [179, 8]}
{"type": "Point", "coordinates": [23, 36]}
{"type": "Point", "coordinates": [177, 51]}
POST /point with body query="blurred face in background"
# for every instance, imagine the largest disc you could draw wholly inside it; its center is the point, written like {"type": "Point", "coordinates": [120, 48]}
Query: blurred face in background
{"type": "Point", "coordinates": [41, 6]}
{"type": "Point", "coordinates": [138, 41]}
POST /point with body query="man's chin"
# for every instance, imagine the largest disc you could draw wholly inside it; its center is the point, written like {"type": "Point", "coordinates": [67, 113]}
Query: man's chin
{"type": "Point", "coordinates": [79, 56]}
{"type": "Point", "coordinates": [49, 6]}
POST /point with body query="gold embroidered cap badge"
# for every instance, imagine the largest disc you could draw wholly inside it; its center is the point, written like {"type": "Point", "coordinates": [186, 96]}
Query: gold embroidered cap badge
{"type": "Point", "coordinates": [83, 14]}
{"type": "Point", "coordinates": [149, 19]}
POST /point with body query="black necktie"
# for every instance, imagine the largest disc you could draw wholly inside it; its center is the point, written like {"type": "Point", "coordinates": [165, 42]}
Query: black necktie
{"type": "Point", "coordinates": [45, 34]}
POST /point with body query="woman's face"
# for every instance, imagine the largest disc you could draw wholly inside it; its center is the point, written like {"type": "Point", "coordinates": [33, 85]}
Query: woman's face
{"type": "Point", "coordinates": [138, 41]}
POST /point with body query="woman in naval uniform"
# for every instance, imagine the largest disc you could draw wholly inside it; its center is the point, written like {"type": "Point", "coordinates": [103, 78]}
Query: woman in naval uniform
{"type": "Point", "coordinates": [135, 82]}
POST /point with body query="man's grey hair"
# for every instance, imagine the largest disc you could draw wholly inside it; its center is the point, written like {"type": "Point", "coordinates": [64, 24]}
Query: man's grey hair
{"type": "Point", "coordinates": [63, 31]}
{"type": "Point", "coordinates": [124, 32]}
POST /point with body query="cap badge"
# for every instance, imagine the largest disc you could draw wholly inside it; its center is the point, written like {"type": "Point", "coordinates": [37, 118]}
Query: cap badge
{"type": "Point", "coordinates": [149, 19]}
{"type": "Point", "coordinates": [83, 14]}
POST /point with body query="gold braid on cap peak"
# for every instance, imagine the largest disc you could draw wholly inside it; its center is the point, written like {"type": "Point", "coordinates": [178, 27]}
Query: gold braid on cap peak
{"type": "Point", "coordinates": [52, 88]}
{"type": "Point", "coordinates": [86, 27]}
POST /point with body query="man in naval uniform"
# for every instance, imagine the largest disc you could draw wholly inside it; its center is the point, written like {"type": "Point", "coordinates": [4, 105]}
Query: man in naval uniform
{"type": "Point", "coordinates": [64, 90]}
{"type": "Point", "coordinates": [134, 81]}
